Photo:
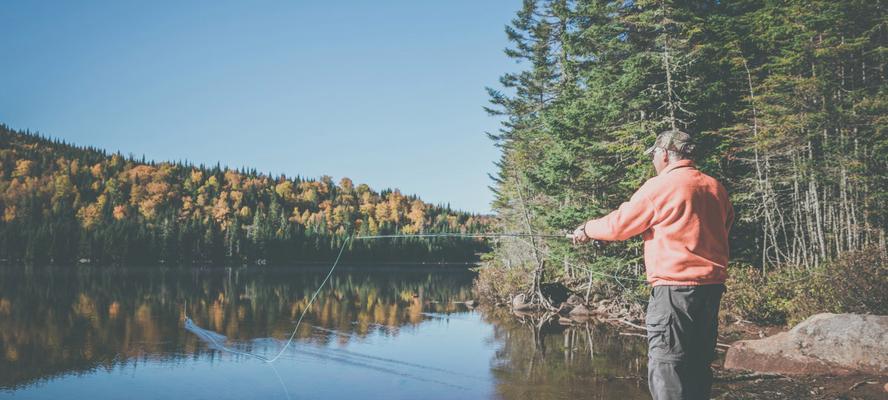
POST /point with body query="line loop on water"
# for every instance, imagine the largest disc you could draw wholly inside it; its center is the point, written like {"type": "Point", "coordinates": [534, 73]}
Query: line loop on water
{"type": "Point", "coordinates": [307, 307]}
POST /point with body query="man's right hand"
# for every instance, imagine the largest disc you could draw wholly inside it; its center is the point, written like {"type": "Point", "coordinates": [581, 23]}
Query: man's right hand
{"type": "Point", "coordinates": [579, 235]}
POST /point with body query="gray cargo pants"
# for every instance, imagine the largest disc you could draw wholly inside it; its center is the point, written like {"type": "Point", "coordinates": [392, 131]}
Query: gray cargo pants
{"type": "Point", "coordinates": [682, 324]}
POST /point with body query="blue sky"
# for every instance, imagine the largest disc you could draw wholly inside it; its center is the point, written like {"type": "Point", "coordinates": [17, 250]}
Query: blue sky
{"type": "Point", "coordinates": [388, 93]}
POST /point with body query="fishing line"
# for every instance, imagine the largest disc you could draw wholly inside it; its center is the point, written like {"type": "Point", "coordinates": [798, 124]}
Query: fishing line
{"type": "Point", "coordinates": [214, 338]}
{"type": "Point", "coordinates": [589, 270]}
{"type": "Point", "coordinates": [313, 297]}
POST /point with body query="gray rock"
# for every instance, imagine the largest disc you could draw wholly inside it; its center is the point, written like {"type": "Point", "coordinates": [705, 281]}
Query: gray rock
{"type": "Point", "coordinates": [580, 311]}
{"type": "Point", "coordinates": [822, 344]}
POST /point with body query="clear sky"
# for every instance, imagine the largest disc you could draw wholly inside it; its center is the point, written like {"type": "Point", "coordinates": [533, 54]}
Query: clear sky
{"type": "Point", "coordinates": [388, 93]}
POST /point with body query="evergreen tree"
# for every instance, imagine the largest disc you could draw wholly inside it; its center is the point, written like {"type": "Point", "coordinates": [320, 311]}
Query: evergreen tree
{"type": "Point", "coordinates": [784, 99]}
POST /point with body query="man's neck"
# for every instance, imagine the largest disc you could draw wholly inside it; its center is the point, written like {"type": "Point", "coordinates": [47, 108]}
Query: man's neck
{"type": "Point", "coordinates": [676, 164]}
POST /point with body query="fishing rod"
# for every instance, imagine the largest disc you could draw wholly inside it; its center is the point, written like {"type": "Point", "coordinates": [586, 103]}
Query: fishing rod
{"type": "Point", "coordinates": [465, 235]}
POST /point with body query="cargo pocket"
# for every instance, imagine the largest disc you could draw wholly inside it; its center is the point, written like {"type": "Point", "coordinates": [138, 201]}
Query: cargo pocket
{"type": "Point", "coordinates": [658, 334]}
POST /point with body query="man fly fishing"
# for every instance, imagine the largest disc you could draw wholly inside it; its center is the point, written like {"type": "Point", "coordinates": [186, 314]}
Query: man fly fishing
{"type": "Point", "coordinates": [684, 216]}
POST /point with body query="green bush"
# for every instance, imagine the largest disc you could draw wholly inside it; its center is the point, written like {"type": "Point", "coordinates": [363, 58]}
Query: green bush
{"type": "Point", "coordinates": [496, 283]}
{"type": "Point", "coordinates": [755, 297]}
{"type": "Point", "coordinates": [856, 282]}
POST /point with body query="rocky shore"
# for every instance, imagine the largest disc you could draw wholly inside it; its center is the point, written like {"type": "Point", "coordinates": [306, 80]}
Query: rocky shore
{"type": "Point", "coordinates": [828, 356]}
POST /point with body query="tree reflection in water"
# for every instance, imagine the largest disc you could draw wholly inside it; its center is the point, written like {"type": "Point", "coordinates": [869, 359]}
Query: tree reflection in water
{"type": "Point", "coordinates": [56, 321]}
{"type": "Point", "coordinates": [540, 358]}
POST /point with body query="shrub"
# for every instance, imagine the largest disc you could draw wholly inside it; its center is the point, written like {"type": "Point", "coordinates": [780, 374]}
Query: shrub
{"type": "Point", "coordinates": [495, 283]}
{"type": "Point", "coordinates": [856, 282]}
{"type": "Point", "coordinates": [755, 297]}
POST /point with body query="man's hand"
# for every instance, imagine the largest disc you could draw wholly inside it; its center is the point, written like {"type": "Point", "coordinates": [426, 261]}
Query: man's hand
{"type": "Point", "coordinates": [579, 235]}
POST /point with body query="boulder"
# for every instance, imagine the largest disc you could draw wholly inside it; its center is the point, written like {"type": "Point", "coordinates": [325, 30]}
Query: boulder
{"type": "Point", "coordinates": [822, 344]}
{"type": "Point", "coordinates": [580, 311]}
{"type": "Point", "coordinates": [564, 308]}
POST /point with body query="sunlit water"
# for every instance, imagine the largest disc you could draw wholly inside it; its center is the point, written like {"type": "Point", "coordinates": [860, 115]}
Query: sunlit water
{"type": "Point", "coordinates": [373, 333]}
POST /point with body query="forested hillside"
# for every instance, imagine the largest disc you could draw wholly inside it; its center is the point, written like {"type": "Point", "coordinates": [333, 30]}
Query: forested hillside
{"type": "Point", "coordinates": [786, 100]}
{"type": "Point", "coordinates": [63, 204]}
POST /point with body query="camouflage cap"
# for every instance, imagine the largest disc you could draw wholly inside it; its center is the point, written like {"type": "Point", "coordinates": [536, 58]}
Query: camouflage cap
{"type": "Point", "coordinates": [674, 140]}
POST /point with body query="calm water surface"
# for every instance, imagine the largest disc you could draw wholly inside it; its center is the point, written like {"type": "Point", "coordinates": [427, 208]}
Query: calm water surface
{"type": "Point", "coordinates": [373, 333]}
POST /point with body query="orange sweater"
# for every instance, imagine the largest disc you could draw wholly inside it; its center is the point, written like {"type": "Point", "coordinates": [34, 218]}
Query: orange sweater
{"type": "Point", "coordinates": [684, 216]}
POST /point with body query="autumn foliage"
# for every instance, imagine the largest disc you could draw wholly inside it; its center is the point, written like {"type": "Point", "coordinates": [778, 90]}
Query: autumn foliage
{"type": "Point", "coordinates": [61, 203]}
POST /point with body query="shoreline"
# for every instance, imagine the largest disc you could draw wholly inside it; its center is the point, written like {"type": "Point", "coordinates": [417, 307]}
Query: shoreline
{"type": "Point", "coordinates": [727, 384]}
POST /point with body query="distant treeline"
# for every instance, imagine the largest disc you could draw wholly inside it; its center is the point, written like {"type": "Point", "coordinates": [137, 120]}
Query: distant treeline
{"type": "Point", "coordinates": [62, 204]}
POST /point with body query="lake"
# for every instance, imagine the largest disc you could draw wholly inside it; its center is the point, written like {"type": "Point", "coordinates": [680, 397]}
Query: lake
{"type": "Point", "coordinates": [373, 333]}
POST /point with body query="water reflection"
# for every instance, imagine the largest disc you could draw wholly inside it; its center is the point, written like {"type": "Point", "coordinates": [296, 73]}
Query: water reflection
{"type": "Point", "coordinates": [540, 358]}
{"type": "Point", "coordinates": [400, 328]}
